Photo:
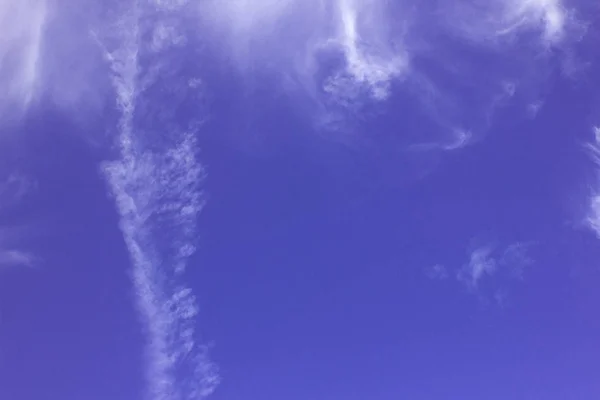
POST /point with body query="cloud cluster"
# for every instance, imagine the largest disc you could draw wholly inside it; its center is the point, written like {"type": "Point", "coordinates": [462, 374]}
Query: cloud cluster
{"type": "Point", "coordinates": [340, 54]}
{"type": "Point", "coordinates": [498, 22]}
{"type": "Point", "coordinates": [489, 269]}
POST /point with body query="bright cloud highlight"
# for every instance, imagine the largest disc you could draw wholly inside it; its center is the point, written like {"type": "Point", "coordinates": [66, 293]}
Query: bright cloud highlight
{"type": "Point", "coordinates": [336, 56]}
{"type": "Point", "coordinates": [22, 25]}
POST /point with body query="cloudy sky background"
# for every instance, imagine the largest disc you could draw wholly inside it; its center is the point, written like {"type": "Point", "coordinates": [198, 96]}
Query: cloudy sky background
{"type": "Point", "coordinates": [299, 199]}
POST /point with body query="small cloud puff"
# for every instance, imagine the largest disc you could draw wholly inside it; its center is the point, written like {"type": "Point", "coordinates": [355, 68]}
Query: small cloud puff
{"type": "Point", "coordinates": [488, 269]}
{"type": "Point", "coordinates": [480, 264]}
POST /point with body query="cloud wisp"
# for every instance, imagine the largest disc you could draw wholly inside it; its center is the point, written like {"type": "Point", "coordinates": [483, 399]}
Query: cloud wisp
{"type": "Point", "coordinates": [47, 58]}
{"type": "Point", "coordinates": [331, 52]}
{"type": "Point", "coordinates": [489, 270]}
{"type": "Point", "coordinates": [340, 55]}
{"type": "Point", "coordinates": [481, 264]}
{"type": "Point", "coordinates": [15, 188]}
{"type": "Point", "coordinates": [57, 57]}
{"type": "Point", "coordinates": [22, 25]}
{"type": "Point", "coordinates": [592, 217]}
{"type": "Point", "coordinates": [156, 184]}
{"type": "Point", "coordinates": [498, 22]}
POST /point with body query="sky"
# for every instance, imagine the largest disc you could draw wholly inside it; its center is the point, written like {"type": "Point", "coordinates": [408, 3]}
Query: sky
{"type": "Point", "coordinates": [299, 200]}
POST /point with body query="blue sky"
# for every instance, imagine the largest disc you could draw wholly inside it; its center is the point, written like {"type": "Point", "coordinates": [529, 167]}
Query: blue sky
{"type": "Point", "coordinates": [293, 200]}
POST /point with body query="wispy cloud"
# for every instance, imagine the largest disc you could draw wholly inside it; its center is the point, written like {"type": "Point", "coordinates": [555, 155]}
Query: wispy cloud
{"type": "Point", "coordinates": [437, 271]}
{"type": "Point", "coordinates": [337, 51]}
{"type": "Point", "coordinates": [12, 192]}
{"type": "Point", "coordinates": [339, 57]}
{"type": "Point", "coordinates": [47, 55]}
{"type": "Point", "coordinates": [155, 182]}
{"type": "Point", "coordinates": [501, 21]}
{"type": "Point", "coordinates": [516, 258]}
{"type": "Point", "coordinates": [15, 188]}
{"type": "Point", "coordinates": [592, 217]}
{"type": "Point", "coordinates": [16, 258]}
{"type": "Point", "coordinates": [370, 60]}
{"type": "Point", "coordinates": [490, 269]}
{"type": "Point", "coordinates": [480, 264]}
{"type": "Point", "coordinates": [488, 261]}
{"type": "Point", "coordinates": [22, 25]}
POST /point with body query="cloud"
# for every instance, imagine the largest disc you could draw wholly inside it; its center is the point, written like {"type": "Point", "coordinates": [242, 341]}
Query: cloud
{"type": "Point", "coordinates": [47, 57]}
{"type": "Point", "coordinates": [370, 60]}
{"type": "Point", "coordinates": [16, 258]}
{"type": "Point", "coordinates": [15, 188]}
{"type": "Point", "coordinates": [334, 51]}
{"type": "Point", "coordinates": [516, 258]}
{"type": "Point", "coordinates": [481, 264]}
{"type": "Point", "coordinates": [437, 271]}
{"type": "Point", "coordinates": [448, 66]}
{"type": "Point", "coordinates": [155, 181]}
{"type": "Point", "coordinates": [22, 25]}
{"type": "Point", "coordinates": [12, 192]}
{"type": "Point", "coordinates": [498, 22]}
{"type": "Point", "coordinates": [66, 58]}
{"type": "Point", "coordinates": [490, 269]}
{"type": "Point", "coordinates": [592, 217]}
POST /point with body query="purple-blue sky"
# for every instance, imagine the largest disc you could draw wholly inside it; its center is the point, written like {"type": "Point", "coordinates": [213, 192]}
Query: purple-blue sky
{"type": "Point", "coordinates": [319, 199]}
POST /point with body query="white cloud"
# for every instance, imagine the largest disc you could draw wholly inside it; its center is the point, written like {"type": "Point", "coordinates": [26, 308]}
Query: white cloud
{"type": "Point", "coordinates": [501, 21]}
{"type": "Point", "coordinates": [155, 183]}
{"type": "Point", "coordinates": [333, 50]}
{"type": "Point", "coordinates": [592, 217]}
{"type": "Point", "coordinates": [549, 16]}
{"type": "Point", "coordinates": [491, 270]}
{"type": "Point", "coordinates": [47, 55]}
{"type": "Point", "coordinates": [15, 187]}
{"type": "Point", "coordinates": [22, 25]}
{"type": "Point", "coordinates": [481, 264]}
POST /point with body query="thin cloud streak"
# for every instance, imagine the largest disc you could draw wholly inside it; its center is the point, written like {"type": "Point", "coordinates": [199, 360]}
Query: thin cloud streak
{"type": "Point", "coordinates": [22, 25]}
{"type": "Point", "coordinates": [497, 22]}
{"type": "Point", "coordinates": [16, 258]}
{"type": "Point", "coordinates": [592, 218]}
{"type": "Point", "coordinates": [157, 190]}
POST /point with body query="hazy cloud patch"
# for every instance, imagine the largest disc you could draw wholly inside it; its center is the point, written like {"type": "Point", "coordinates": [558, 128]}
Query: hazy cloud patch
{"type": "Point", "coordinates": [490, 270]}
{"type": "Point", "coordinates": [592, 216]}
